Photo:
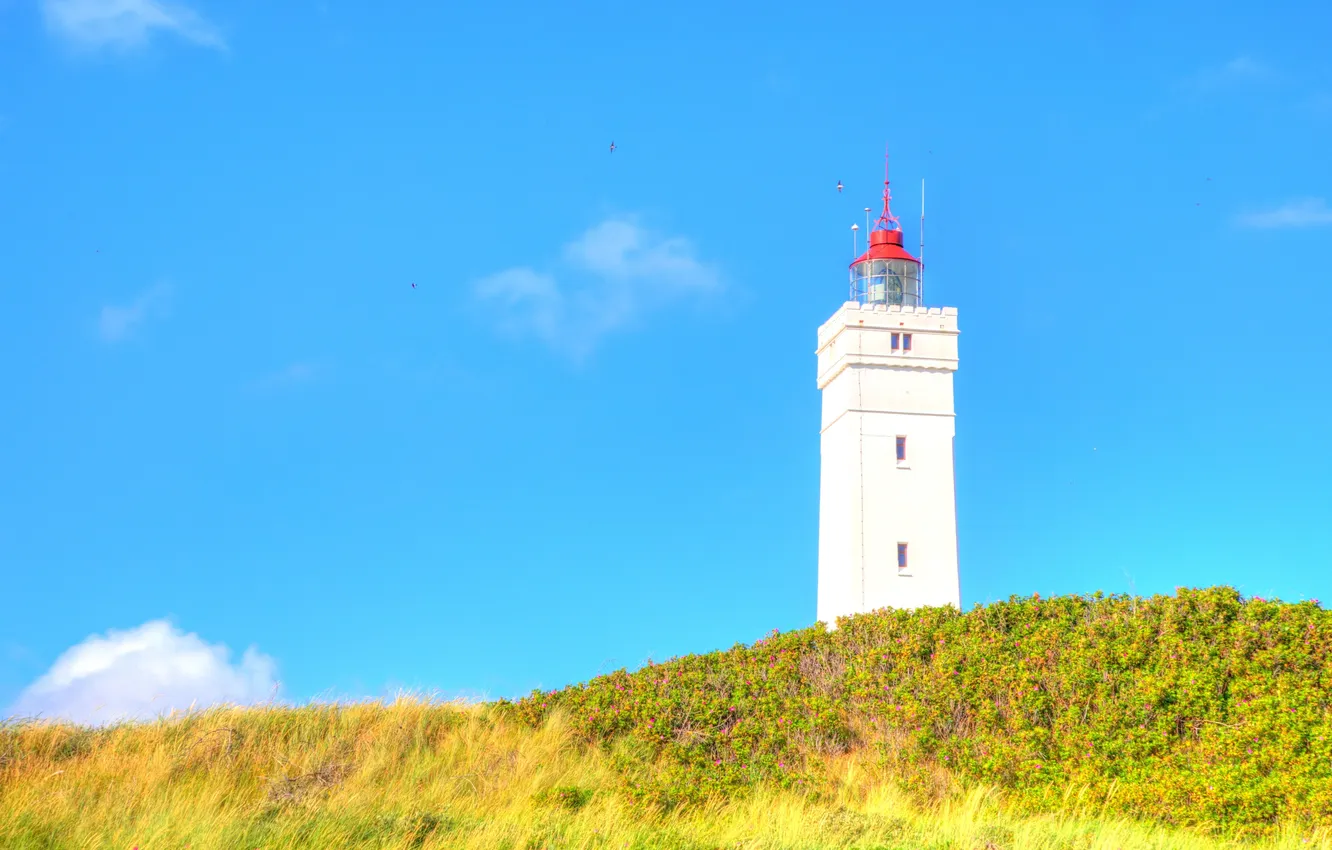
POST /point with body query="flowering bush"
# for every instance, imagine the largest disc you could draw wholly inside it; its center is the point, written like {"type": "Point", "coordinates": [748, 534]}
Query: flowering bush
{"type": "Point", "coordinates": [1200, 709]}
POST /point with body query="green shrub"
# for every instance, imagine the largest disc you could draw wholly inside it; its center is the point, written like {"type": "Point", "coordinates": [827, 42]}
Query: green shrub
{"type": "Point", "coordinates": [1201, 709]}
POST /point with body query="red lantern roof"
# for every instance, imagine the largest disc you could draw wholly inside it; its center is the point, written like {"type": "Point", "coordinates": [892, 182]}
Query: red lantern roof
{"type": "Point", "coordinates": [886, 245]}
{"type": "Point", "coordinates": [885, 240]}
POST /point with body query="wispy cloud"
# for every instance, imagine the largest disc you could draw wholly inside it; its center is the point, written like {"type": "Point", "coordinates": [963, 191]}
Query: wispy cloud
{"type": "Point", "coordinates": [119, 322]}
{"type": "Point", "coordinates": [143, 672]}
{"type": "Point", "coordinates": [1304, 212]}
{"type": "Point", "coordinates": [127, 24]}
{"type": "Point", "coordinates": [606, 280]}
{"type": "Point", "coordinates": [1238, 71]}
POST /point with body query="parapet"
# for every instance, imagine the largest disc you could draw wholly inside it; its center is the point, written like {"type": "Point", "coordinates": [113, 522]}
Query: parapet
{"type": "Point", "coordinates": [900, 308]}
{"type": "Point", "coordinates": [889, 317]}
{"type": "Point", "coordinates": [888, 336]}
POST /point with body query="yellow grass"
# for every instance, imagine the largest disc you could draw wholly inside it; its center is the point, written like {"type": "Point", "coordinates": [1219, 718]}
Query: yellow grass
{"type": "Point", "coordinates": [417, 773]}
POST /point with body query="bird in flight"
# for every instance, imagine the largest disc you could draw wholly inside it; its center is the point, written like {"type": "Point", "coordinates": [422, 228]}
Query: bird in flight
{"type": "Point", "coordinates": [413, 286]}
{"type": "Point", "coordinates": [612, 147]}
{"type": "Point", "coordinates": [839, 186]}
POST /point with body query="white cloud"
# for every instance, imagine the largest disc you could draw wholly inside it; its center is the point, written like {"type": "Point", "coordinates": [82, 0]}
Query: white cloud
{"type": "Point", "coordinates": [1305, 212]}
{"type": "Point", "coordinates": [119, 322]}
{"type": "Point", "coordinates": [143, 672]}
{"type": "Point", "coordinates": [126, 24]}
{"type": "Point", "coordinates": [613, 275]}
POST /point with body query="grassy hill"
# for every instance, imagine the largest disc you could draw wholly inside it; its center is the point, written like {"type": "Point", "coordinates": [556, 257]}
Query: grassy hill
{"type": "Point", "coordinates": [1196, 720]}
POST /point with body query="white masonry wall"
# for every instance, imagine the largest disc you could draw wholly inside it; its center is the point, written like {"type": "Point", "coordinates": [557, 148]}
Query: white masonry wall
{"type": "Point", "coordinates": [868, 502]}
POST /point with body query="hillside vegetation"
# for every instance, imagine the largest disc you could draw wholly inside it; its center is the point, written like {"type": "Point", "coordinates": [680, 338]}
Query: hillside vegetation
{"type": "Point", "coordinates": [1190, 721]}
{"type": "Point", "coordinates": [1202, 709]}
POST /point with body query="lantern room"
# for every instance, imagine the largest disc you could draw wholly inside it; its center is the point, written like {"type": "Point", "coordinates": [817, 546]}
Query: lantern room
{"type": "Point", "coordinates": [886, 273]}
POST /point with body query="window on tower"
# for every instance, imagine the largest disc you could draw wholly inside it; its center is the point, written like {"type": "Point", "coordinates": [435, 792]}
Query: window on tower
{"type": "Point", "coordinates": [897, 341]}
{"type": "Point", "coordinates": [906, 342]}
{"type": "Point", "coordinates": [901, 556]}
{"type": "Point", "coordinates": [901, 449]}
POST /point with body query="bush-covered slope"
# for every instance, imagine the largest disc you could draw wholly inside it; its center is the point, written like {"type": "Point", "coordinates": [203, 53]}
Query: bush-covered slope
{"type": "Point", "coordinates": [1202, 709]}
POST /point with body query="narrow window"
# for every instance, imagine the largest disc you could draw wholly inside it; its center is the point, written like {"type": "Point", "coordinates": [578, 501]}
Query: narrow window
{"type": "Point", "coordinates": [901, 449]}
{"type": "Point", "coordinates": [901, 556]}
{"type": "Point", "coordinates": [906, 342]}
{"type": "Point", "coordinates": [897, 341]}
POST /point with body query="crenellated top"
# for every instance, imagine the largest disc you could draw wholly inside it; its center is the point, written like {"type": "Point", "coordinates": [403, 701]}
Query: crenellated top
{"type": "Point", "coordinates": [887, 336]}
{"type": "Point", "coordinates": [878, 315]}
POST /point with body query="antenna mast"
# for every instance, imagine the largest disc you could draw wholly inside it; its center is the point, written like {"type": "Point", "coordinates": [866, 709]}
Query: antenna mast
{"type": "Point", "coordinates": [922, 243]}
{"type": "Point", "coordinates": [855, 246]}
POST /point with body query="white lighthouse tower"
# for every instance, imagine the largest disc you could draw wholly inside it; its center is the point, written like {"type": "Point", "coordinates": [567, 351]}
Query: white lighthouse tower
{"type": "Point", "coordinates": [887, 503]}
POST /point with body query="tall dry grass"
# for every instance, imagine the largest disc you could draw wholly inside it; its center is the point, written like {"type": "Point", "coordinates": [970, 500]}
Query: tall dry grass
{"type": "Point", "coordinates": [423, 774]}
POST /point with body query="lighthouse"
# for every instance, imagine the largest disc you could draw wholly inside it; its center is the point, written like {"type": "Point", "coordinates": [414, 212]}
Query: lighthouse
{"type": "Point", "coordinates": [887, 500]}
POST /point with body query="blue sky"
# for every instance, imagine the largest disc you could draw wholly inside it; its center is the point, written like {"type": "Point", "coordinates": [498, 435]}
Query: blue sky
{"type": "Point", "coordinates": [590, 435]}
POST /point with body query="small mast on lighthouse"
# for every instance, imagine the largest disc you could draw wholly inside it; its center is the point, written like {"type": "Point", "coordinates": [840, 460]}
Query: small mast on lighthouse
{"type": "Point", "coordinates": [886, 273]}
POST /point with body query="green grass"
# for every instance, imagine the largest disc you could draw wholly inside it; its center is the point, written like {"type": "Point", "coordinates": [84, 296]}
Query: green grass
{"type": "Point", "coordinates": [895, 731]}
